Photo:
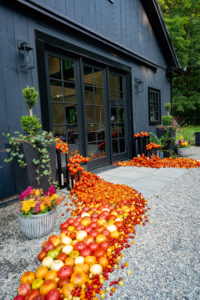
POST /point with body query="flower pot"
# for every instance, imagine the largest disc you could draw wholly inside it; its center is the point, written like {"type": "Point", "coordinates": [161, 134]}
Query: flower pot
{"type": "Point", "coordinates": [25, 177]}
{"type": "Point", "coordinates": [197, 139]}
{"type": "Point", "coordinates": [37, 226]}
{"type": "Point", "coordinates": [170, 144]}
{"type": "Point", "coordinates": [184, 152]}
{"type": "Point", "coordinates": [161, 154]}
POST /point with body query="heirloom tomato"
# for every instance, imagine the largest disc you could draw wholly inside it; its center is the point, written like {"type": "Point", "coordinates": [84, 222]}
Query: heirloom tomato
{"type": "Point", "coordinates": [62, 281]}
{"type": "Point", "coordinates": [24, 289]}
{"type": "Point", "coordinates": [32, 294]}
{"type": "Point", "coordinates": [37, 284]}
{"type": "Point", "coordinates": [41, 297]}
{"type": "Point", "coordinates": [48, 246]}
{"type": "Point", "coordinates": [51, 238]}
{"type": "Point", "coordinates": [51, 275]}
{"type": "Point", "coordinates": [28, 277]}
{"type": "Point", "coordinates": [78, 278]}
{"type": "Point", "coordinates": [41, 272]}
{"type": "Point", "coordinates": [47, 286]}
{"type": "Point", "coordinates": [67, 289]}
{"type": "Point", "coordinates": [62, 256]}
{"type": "Point", "coordinates": [65, 271]}
{"type": "Point", "coordinates": [70, 261]}
{"type": "Point", "coordinates": [19, 297]}
{"type": "Point", "coordinates": [53, 253]}
{"type": "Point", "coordinates": [53, 295]}
{"type": "Point", "coordinates": [42, 255]}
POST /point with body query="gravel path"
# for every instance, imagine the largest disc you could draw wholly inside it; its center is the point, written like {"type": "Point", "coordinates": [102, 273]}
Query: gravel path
{"type": "Point", "coordinates": [165, 259]}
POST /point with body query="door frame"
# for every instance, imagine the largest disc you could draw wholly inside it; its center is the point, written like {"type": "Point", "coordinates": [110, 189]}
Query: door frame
{"type": "Point", "coordinates": [46, 42]}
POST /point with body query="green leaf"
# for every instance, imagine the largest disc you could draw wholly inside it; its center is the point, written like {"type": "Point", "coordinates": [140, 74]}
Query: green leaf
{"type": "Point", "coordinates": [8, 150]}
{"type": "Point", "coordinates": [36, 161]}
{"type": "Point", "coordinates": [46, 172]}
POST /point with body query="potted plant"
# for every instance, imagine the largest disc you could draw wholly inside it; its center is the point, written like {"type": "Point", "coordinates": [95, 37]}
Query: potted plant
{"type": "Point", "coordinates": [183, 148]}
{"type": "Point", "coordinates": [162, 141]}
{"type": "Point", "coordinates": [37, 211]}
{"type": "Point", "coordinates": [167, 128]}
{"type": "Point", "coordinates": [32, 155]}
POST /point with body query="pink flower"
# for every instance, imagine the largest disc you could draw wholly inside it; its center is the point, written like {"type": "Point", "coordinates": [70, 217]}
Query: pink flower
{"type": "Point", "coordinates": [37, 208]}
{"type": "Point", "coordinates": [25, 193]}
{"type": "Point", "coordinates": [179, 142]}
{"type": "Point", "coordinates": [17, 210]}
{"type": "Point", "coordinates": [51, 191]}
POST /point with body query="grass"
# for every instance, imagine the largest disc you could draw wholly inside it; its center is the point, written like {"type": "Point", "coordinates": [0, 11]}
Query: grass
{"type": "Point", "coordinates": [189, 132]}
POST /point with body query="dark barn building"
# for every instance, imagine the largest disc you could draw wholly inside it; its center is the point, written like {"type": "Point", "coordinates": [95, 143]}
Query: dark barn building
{"type": "Point", "coordinates": [88, 56]}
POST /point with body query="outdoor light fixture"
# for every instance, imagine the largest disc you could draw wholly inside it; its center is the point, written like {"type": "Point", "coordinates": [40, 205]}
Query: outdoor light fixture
{"type": "Point", "coordinates": [26, 56]}
{"type": "Point", "coordinates": [139, 85]}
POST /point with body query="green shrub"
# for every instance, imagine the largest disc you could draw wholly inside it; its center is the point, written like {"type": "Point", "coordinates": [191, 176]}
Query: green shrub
{"type": "Point", "coordinates": [167, 106]}
{"type": "Point", "coordinates": [30, 96]}
{"type": "Point", "coordinates": [30, 124]}
{"type": "Point", "coordinates": [167, 120]}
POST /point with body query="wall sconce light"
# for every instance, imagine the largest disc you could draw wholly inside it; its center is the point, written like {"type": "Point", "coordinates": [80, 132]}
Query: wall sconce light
{"type": "Point", "coordinates": [26, 56]}
{"type": "Point", "coordinates": [139, 85]}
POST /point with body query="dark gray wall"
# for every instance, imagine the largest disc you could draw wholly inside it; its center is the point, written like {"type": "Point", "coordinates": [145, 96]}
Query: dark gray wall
{"type": "Point", "coordinates": [131, 29]}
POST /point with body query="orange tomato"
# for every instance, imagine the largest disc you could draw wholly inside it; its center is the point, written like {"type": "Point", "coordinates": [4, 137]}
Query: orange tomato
{"type": "Point", "coordinates": [41, 272]}
{"type": "Point", "coordinates": [47, 286]}
{"type": "Point", "coordinates": [69, 261]}
{"type": "Point", "coordinates": [51, 275]}
{"type": "Point", "coordinates": [56, 241]}
{"type": "Point", "coordinates": [78, 278]}
{"type": "Point", "coordinates": [103, 261]}
{"type": "Point", "coordinates": [28, 277]}
{"type": "Point", "coordinates": [67, 289]}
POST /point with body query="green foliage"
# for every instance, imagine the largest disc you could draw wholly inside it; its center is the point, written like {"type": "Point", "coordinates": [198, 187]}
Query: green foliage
{"type": "Point", "coordinates": [186, 134]}
{"type": "Point", "coordinates": [30, 96]}
{"type": "Point", "coordinates": [162, 141]}
{"type": "Point", "coordinates": [167, 120]}
{"type": "Point", "coordinates": [167, 106]}
{"type": "Point", "coordinates": [182, 18]}
{"type": "Point", "coordinates": [30, 124]}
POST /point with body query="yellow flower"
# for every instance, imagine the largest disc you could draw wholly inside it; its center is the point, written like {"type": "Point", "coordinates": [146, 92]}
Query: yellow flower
{"type": "Point", "coordinates": [27, 205]}
{"type": "Point", "coordinates": [53, 197]}
{"type": "Point", "coordinates": [37, 192]}
{"type": "Point", "coordinates": [42, 207]}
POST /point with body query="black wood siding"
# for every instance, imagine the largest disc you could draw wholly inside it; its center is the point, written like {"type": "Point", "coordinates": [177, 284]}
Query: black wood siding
{"type": "Point", "coordinates": [124, 22]}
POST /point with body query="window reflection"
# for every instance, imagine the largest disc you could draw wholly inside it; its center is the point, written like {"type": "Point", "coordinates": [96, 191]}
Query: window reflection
{"type": "Point", "coordinates": [54, 67]}
{"type": "Point", "coordinates": [56, 91]}
{"type": "Point", "coordinates": [71, 113]}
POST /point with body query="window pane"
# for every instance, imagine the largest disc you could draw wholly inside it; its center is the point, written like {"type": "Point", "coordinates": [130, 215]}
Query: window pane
{"type": "Point", "coordinates": [56, 91]}
{"type": "Point", "coordinates": [115, 131]}
{"type": "Point", "coordinates": [113, 97]}
{"type": "Point", "coordinates": [97, 78]}
{"type": "Point", "coordinates": [54, 67]}
{"type": "Point", "coordinates": [90, 115]}
{"type": "Point", "coordinates": [88, 78]}
{"type": "Point", "coordinates": [101, 149]}
{"type": "Point", "coordinates": [58, 113]}
{"type": "Point", "coordinates": [156, 116]}
{"type": "Point", "coordinates": [72, 134]}
{"type": "Point", "coordinates": [122, 145]}
{"type": "Point", "coordinates": [113, 116]}
{"type": "Point", "coordinates": [92, 150]}
{"type": "Point", "coordinates": [89, 97]}
{"type": "Point", "coordinates": [68, 70]}
{"type": "Point", "coordinates": [115, 146]}
{"type": "Point", "coordinates": [119, 83]}
{"type": "Point", "coordinates": [91, 132]}
{"type": "Point", "coordinates": [120, 101]}
{"type": "Point", "coordinates": [112, 82]}
{"type": "Point", "coordinates": [120, 114]}
{"type": "Point", "coordinates": [69, 90]}
{"type": "Point", "coordinates": [60, 131]}
{"type": "Point", "coordinates": [101, 132]}
{"type": "Point", "coordinates": [121, 129]}
{"type": "Point", "coordinates": [99, 114]}
{"type": "Point", "coordinates": [98, 96]}
{"type": "Point", "coordinates": [74, 149]}
{"type": "Point", "coordinates": [71, 113]}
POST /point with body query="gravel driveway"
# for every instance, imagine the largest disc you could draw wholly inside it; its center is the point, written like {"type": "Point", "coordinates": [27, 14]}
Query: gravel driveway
{"type": "Point", "coordinates": [165, 259]}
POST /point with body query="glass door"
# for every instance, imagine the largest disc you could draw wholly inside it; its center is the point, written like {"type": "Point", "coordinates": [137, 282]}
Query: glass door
{"type": "Point", "coordinates": [118, 116]}
{"type": "Point", "coordinates": [95, 118]}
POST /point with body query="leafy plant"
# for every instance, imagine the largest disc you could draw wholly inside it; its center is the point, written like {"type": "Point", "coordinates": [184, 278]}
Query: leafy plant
{"type": "Point", "coordinates": [30, 124]}
{"type": "Point", "coordinates": [167, 120]}
{"type": "Point", "coordinates": [38, 140]}
{"type": "Point", "coordinates": [167, 107]}
{"type": "Point", "coordinates": [30, 97]}
{"type": "Point", "coordinates": [186, 133]}
{"type": "Point", "coordinates": [162, 141]}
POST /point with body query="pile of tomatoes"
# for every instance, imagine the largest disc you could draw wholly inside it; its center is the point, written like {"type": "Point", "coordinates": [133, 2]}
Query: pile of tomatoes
{"type": "Point", "coordinates": [61, 146]}
{"type": "Point", "coordinates": [74, 164]}
{"type": "Point", "coordinates": [141, 134]}
{"type": "Point", "coordinates": [152, 146]}
{"type": "Point", "coordinates": [77, 262]}
{"type": "Point", "coordinates": [157, 162]}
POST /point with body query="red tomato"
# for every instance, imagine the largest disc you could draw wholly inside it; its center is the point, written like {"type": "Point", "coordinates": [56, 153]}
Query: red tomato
{"type": "Point", "coordinates": [62, 281]}
{"type": "Point", "coordinates": [99, 252]}
{"type": "Point", "coordinates": [48, 246]}
{"type": "Point", "coordinates": [32, 294]}
{"type": "Point", "coordinates": [64, 225]}
{"type": "Point", "coordinates": [18, 297]}
{"type": "Point", "coordinates": [61, 256]}
{"type": "Point", "coordinates": [42, 255]}
{"type": "Point", "coordinates": [53, 295]}
{"type": "Point", "coordinates": [79, 246]}
{"type": "Point", "coordinates": [41, 297]}
{"type": "Point", "coordinates": [65, 271]}
{"type": "Point", "coordinates": [94, 234]}
{"type": "Point", "coordinates": [86, 252]}
{"type": "Point", "coordinates": [50, 239]}
{"type": "Point", "coordinates": [93, 246]}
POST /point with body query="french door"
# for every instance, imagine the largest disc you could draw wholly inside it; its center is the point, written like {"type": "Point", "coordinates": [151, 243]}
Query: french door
{"type": "Point", "coordinates": [87, 108]}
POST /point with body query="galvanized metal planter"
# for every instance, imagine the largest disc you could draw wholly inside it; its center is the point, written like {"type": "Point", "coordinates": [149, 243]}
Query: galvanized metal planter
{"type": "Point", "coordinates": [183, 152]}
{"type": "Point", "coordinates": [37, 226]}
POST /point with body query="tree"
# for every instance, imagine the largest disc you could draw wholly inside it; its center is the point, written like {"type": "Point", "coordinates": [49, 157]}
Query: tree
{"type": "Point", "coordinates": [182, 18]}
